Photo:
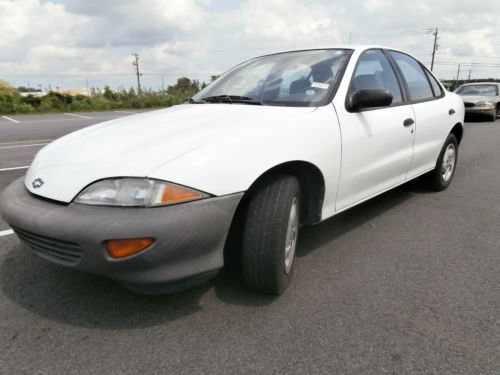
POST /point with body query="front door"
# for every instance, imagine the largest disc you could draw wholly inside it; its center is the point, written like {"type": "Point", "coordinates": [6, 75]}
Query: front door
{"type": "Point", "coordinates": [376, 143]}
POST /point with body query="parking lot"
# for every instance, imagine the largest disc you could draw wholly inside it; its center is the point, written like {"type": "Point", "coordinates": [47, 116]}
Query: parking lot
{"type": "Point", "coordinates": [408, 282]}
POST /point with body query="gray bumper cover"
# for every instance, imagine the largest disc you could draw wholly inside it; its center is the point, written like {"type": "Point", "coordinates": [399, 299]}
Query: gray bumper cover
{"type": "Point", "coordinates": [481, 111]}
{"type": "Point", "coordinates": [189, 237]}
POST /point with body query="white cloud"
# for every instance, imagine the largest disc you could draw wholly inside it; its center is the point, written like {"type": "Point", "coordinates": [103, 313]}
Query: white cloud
{"type": "Point", "coordinates": [141, 22]}
{"type": "Point", "coordinates": [377, 5]}
{"type": "Point", "coordinates": [198, 37]}
{"type": "Point", "coordinates": [290, 20]}
{"type": "Point", "coordinates": [27, 23]}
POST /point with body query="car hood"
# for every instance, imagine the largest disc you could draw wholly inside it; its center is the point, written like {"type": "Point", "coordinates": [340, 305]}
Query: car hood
{"type": "Point", "coordinates": [136, 145]}
{"type": "Point", "coordinates": [477, 98]}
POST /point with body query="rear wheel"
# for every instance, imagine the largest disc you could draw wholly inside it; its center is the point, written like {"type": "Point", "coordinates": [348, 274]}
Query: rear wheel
{"type": "Point", "coordinates": [440, 178]}
{"type": "Point", "coordinates": [270, 235]}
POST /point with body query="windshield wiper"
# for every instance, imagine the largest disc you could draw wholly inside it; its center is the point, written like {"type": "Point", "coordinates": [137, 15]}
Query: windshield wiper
{"type": "Point", "coordinates": [231, 99]}
{"type": "Point", "coordinates": [192, 101]}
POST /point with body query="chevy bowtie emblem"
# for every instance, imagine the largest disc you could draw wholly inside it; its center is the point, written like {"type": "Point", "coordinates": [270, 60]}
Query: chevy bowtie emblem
{"type": "Point", "coordinates": [37, 183]}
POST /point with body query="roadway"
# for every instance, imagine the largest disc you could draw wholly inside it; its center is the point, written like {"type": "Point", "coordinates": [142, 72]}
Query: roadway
{"type": "Point", "coordinates": [405, 283]}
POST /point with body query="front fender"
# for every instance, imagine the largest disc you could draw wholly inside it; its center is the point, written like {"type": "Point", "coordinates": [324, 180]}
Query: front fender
{"type": "Point", "coordinates": [231, 165]}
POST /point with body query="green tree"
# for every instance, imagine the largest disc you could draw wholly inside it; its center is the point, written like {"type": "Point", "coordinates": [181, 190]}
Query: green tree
{"type": "Point", "coordinates": [183, 89]}
{"type": "Point", "coordinates": [9, 98]}
{"type": "Point", "coordinates": [109, 94]}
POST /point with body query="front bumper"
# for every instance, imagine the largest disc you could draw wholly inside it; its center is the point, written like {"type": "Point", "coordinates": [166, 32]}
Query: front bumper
{"type": "Point", "coordinates": [189, 237]}
{"type": "Point", "coordinates": [480, 111]}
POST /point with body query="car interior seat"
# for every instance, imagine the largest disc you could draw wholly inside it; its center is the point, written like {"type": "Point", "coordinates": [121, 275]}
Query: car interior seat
{"type": "Point", "coordinates": [299, 86]}
{"type": "Point", "coordinates": [367, 81]}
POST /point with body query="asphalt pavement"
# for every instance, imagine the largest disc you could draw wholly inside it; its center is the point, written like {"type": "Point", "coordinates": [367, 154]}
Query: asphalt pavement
{"type": "Point", "coordinates": [407, 283]}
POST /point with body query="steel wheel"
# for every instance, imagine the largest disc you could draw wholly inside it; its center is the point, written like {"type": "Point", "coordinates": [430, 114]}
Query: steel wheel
{"type": "Point", "coordinates": [449, 160]}
{"type": "Point", "coordinates": [291, 234]}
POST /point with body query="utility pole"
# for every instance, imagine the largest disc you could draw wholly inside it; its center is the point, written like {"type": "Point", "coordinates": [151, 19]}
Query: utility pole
{"type": "Point", "coordinates": [162, 85]}
{"type": "Point", "coordinates": [436, 46]}
{"type": "Point", "coordinates": [470, 72]}
{"type": "Point", "coordinates": [350, 38]}
{"type": "Point", "coordinates": [137, 72]}
{"type": "Point", "coordinates": [87, 83]}
{"type": "Point", "coordinates": [458, 75]}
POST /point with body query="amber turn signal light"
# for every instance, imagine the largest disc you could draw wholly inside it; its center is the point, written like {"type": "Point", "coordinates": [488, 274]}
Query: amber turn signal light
{"type": "Point", "coordinates": [176, 194]}
{"type": "Point", "coordinates": [127, 247]}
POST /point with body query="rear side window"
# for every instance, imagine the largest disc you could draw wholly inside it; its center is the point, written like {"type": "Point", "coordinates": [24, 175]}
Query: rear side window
{"type": "Point", "coordinates": [436, 87]}
{"type": "Point", "coordinates": [375, 72]}
{"type": "Point", "coordinates": [416, 79]}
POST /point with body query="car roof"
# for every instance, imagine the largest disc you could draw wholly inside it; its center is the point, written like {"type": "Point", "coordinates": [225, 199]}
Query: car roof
{"type": "Point", "coordinates": [480, 83]}
{"type": "Point", "coordinates": [358, 47]}
{"type": "Point", "coordinates": [355, 47]}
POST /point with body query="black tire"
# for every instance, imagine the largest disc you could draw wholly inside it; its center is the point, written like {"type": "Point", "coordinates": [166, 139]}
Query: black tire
{"type": "Point", "coordinates": [265, 232]}
{"type": "Point", "coordinates": [498, 110]}
{"type": "Point", "coordinates": [493, 117]}
{"type": "Point", "coordinates": [435, 179]}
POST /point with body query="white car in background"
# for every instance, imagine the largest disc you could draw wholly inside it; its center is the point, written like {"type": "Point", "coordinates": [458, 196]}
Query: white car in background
{"type": "Point", "coordinates": [481, 98]}
{"type": "Point", "coordinates": [277, 142]}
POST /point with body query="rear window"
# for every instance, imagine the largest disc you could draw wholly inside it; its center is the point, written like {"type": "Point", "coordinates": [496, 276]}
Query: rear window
{"type": "Point", "coordinates": [436, 87]}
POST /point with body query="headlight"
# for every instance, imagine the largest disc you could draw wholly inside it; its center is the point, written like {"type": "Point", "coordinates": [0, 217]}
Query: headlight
{"type": "Point", "coordinates": [136, 192]}
{"type": "Point", "coordinates": [485, 104]}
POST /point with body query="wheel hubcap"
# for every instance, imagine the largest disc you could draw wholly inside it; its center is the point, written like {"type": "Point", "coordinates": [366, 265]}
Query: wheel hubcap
{"type": "Point", "coordinates": [291, 234]}
{"type": "Point", "coordinates": [449, 159]}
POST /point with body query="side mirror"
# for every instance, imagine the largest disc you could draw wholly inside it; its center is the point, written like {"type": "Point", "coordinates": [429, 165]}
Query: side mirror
{"type": "Point", "coordinates": [369, 98]}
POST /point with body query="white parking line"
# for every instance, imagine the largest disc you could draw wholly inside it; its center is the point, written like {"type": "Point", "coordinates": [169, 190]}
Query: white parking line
{"type": "Point", "coordinates": [10, 119]}
{"type": "Point", "coordinates": [124, 112]}
{"type": "Point", "coordinates": [6, 232]}
{"type": "Point", "coordinates": [30, 145]}
{"type": "Point", "coordinates": [25, 142]}
{"type": "Point", "coordinates": [72, 114]}
{"type": "Point", "coordinates": [14, 168]}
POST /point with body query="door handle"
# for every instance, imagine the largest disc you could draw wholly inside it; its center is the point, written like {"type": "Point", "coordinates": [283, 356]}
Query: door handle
{"type": "Point", "coordinates": [451, 112]}
{"type": "Point", "coordinates": [408, 122]}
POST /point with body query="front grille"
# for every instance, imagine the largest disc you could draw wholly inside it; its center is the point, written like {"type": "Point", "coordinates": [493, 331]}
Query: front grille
{"type": "Point", "coordinates": [51, 248]}
{"type": "Point", "coordinates": [468, 105]}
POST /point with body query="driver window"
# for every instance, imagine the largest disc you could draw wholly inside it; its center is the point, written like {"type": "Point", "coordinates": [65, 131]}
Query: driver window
{"type": "Point", "coordinates": [375, 72]}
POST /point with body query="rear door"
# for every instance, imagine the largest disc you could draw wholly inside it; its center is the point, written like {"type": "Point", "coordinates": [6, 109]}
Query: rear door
{"type": "Point", "coordinates": [432, 112]}
{"type": "Point", "coordinates": [376, 144]}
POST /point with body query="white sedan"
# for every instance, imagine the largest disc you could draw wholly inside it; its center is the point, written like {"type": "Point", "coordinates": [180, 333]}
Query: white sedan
{"type": "Point", "coordinates": [155, 200]}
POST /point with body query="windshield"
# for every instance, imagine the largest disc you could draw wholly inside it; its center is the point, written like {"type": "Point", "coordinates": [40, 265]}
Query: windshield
{"type": "Point", "coordinates": [482, 90]}
{"type": "Point", "coordinates": [303, 78]}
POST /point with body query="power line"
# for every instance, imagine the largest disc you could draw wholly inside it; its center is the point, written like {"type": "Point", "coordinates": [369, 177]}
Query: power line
{"type": "Point", "coordinates": [478, 57]}
{"type": "Point", "coordinates": [484, 65]}
{"type": "Point", "coordinates": [206, 72]}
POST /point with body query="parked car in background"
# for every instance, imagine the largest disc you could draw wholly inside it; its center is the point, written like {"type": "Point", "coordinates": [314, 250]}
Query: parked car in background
{"type": "Point", "coordinates": [481, 98]}
{"type": "Point", "coordinates": [277, 142]}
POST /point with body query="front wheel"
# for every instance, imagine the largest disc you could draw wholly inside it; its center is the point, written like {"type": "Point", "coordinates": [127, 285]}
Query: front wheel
{"type": "Point", "coordinates": [270, 234]}
{"type": "Point", "coordinates": [440, 178]}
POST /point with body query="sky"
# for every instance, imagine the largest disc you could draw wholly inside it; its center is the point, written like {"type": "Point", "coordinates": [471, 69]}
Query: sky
{"type": "Point", "coordinates": [67, 43]}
